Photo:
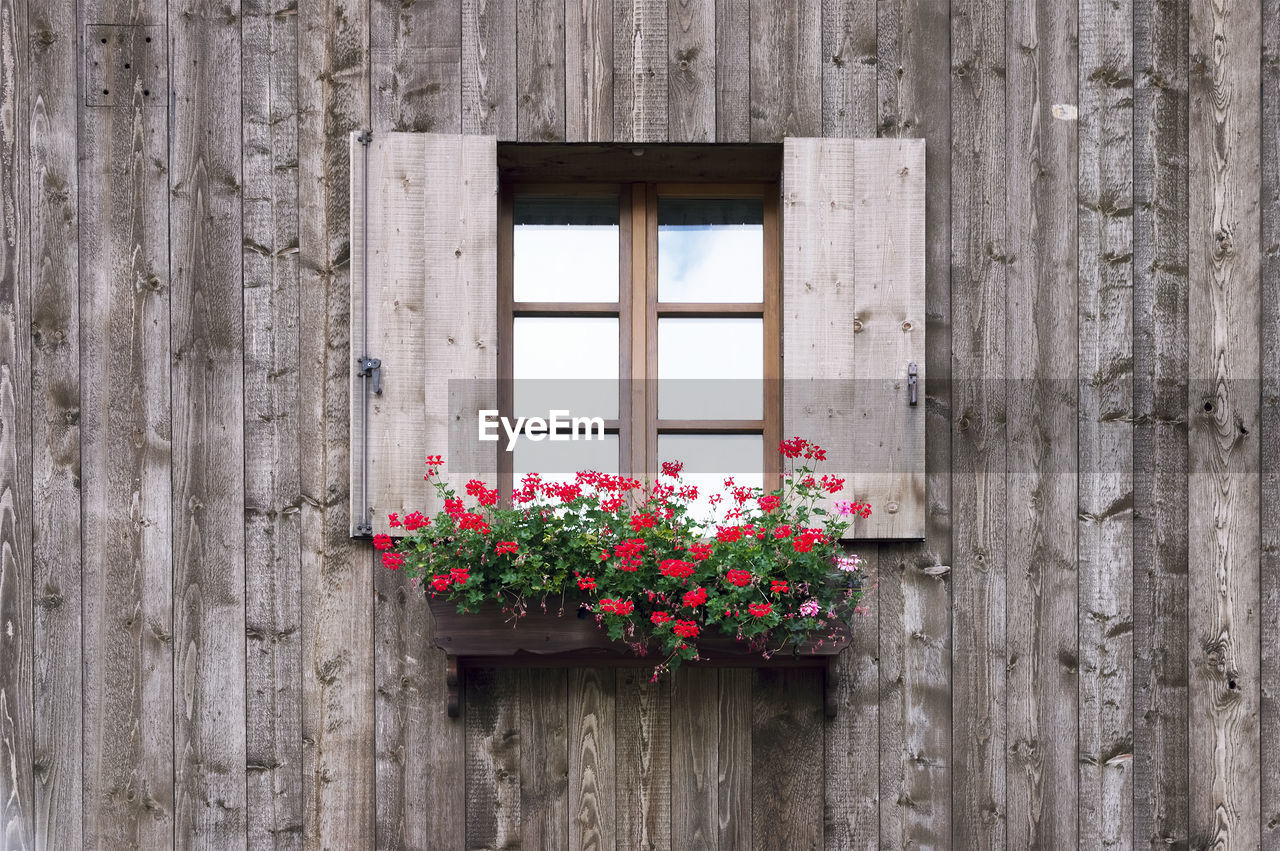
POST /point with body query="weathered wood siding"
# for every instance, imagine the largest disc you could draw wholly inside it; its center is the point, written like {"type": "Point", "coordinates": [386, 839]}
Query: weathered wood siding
{"type": "Point", "coordinates": [193, 653]}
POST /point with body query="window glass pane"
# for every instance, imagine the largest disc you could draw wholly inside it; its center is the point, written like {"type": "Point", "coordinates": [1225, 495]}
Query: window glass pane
{"type": "Point", "coordinates": [711, 250]}
{"type": "Point", "coordinates": [711, 458]}
{"type": "Point", "coordinates": [710, 369]}
{"type": "Point", "coordinates": [565, 249]}
{"type": "Point", "coordinates": [567, 364]}
{"type": "Point", "coordinates": [559, 460]}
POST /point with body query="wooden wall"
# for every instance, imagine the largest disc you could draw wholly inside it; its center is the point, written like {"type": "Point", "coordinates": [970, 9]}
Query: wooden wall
{"type": "Point", "coordinates": [1082, 653]}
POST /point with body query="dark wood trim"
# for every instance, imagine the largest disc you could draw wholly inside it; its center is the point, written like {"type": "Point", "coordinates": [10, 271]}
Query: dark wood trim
{"type": "Point", "coordinates": [711, 310]}
{"type": "Point", "coordinates": [710, 426]}
{"type": "Point", "coordinates": [506, 328]}
{"type": "Point", "coordinates": [772, 340]}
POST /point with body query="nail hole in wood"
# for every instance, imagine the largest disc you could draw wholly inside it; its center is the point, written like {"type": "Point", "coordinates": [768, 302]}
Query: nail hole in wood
{"type": "Point", "coordinates": [1208, 406]}
{"type": "Point", "coordinates": [104, 41]}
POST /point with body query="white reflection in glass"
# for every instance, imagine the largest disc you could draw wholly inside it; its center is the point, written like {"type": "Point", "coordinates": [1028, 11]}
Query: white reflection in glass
{"type": "Point", "coordinates": [711, 458]}
{"type": "Point", "coordinates": [711, 263]}
{"type": "Point", "coordinates": [566, 262]}
{"type": "Point", "coordinates": [710, 369]}
{"type": "Point", "coordinates": [567, 364]}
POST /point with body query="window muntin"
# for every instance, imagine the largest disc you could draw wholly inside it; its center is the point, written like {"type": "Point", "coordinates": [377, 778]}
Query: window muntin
{"type": "Point", "coordinates": [697, 311]}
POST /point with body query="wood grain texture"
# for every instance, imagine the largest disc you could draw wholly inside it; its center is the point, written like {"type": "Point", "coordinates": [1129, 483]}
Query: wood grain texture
{"type": "Point", "coordinates": [492, 714]}
{"type": "Point", "coordinates": [589, 70]}
{"type": "Point", "coordinates": [640, 71]}
{"type": "Point", "coordinates": [851, 753]}
{"type": "Point", "coordinates": [125, 457]}
{"type": "Point", "coordinates": [733, 70]}
{"type": "Point", "coordinates": [337, 600]}
{"type": "Point", "coordinates": [416, 66]}
{"type": "Point", "coordinates": [593, 777]}
{"type": "Point", "coordinates": [850, 54]}
{"type": "Point", "coordinates": [57, 811]}
{"type": "Point", "coordinates": [643, 734]}
{"type": "Point", "coordinates": [695, 751]}
{"type": "Point", "coordinates": [273, 594]}
{"type": "Point", "coordinates": [1160, 354]}
{"type": "Point", "coordinates": [1106, 416]}
{"type": "Point", "coordinates": [786, 69]}
{"type": "Point", "coordinates": [1270, 436]}
{"type": "Point", "coordinates": [540, 71]}
{"type": "Point", "coordinates": [207, 389]}
{"type": "Point", "coordinates": [733, 805]}
{"type": "Point", "coordinates": [17, 794]}
{"type": "Point", "coordinates": [488, 74]}
{"type": "Point", "coordinates": [691, 77]}
{"type": "Point", "coordinates": [1223, 311]}
{"type": "Point", "coordinates": [978, 489]}
{"type": "Point", "coordinates": [1041, 503]}
{"type": "Point", "coordinates": [787, 776]}
{"type": "Point", "coordinates": [853, 257]}
{"type": "Point", "coordinates": [544, 757]}
{"type": "Point", "coordinates": [913, 585]}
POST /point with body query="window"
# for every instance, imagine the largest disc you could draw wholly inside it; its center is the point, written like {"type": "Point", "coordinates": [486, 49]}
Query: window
{"type": "Point", "coordinates": [652, 308]}
{"type": "Point", "coordinates": [659, 324]}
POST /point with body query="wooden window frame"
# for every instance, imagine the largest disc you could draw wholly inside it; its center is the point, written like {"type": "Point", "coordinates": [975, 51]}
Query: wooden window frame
{"type": "Point", "coordinates": [638, 311]}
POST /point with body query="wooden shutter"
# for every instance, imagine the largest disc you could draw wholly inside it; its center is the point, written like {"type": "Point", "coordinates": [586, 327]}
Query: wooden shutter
{"type": "Point", "coordinates": [431, 244]}
{"type": "Point", "coordinates": [853, 319]}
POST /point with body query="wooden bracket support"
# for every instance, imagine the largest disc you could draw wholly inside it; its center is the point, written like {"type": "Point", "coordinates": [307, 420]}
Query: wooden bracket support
{"type": "Point", "coordinates": [453, 680]}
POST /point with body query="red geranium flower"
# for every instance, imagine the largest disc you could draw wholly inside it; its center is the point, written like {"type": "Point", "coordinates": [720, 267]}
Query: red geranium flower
{"type": "Point", "coordinates": [779, 586]}
{"type": "Point", "coordinates": [686, 629]}
{"type": "Point", "coordinates": [695, 598]}
{"type": "Point", "coordinates": [440, 583]}
{"type": "Point", "coordinates": [587, 583]}
{"type": "Point", "coordinates": [383, 542]}
{"type": "Point", "coordinates": [741, 578]}
{"type": "Point", "coordinates": [394, 520]}
{"type": "Point", "coordinates": [700, 551]}
{"type": "Point", "coordinates": [393, 561]}
{"type": "Point", "coordinates": [769, 503]}
{"type": "Point", "coordinates": [676, 569]}
{"type": "Point", "coordinates": [660, 618]}
{"type": "Point", "coordinates": [760, 610]}
{"type": "Point", "coordinates": [672, 468]}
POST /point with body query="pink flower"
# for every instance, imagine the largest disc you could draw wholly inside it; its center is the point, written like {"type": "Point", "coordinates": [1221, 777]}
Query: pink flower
{"type": "Point", "coordinates": [810, 608]}
{"type": "Point", "coordinates": [849, 564]}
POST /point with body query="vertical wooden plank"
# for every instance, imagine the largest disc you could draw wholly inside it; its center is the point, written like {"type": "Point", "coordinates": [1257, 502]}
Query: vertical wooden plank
{"type": "Point", "coordinates": [733, 70]}
{"type": "Point", "coordinates": [1041, 513]}
{"type": "Point", "coordinates": [852, 805]}
{"type": "Point", "coordinates": [273, 595]}
{"type": "Point", "coordinates": [913, 585]}
{"type": "Point", "coordinates": [1270, 437]}
{"type": "Point", "coordinates": [1223, 497]}
{"type": "Point", "coordinates": [786, 69]}
{"type": "Point", "coordinates": [1160, 430]}
{"type": "Point", "coordinates": [540, 71]}
{"type": "Point", "coordinates": [978, 268]}
{"type": "Point", "coordinates": [787, 774]}
{"type": "Point", "coordinates": [125, 457]}
{"type": "Point", "coordinates": [642, 758]}
{"type": "Point", "coordinates": [544, 757]}
{"type": "Point", "coordinates": [640, 71]}
{"type": "Point", "coordinates": [592, 771]}
{"type": "Point", "coordinates": [57, 690]}
{"type": "Point", "coordinates": [733, 801]}
{"type": "Point", "coordinates": [1105, 213]}
{"type": "Point", "coordinates": [491, 716]}
{"type": "Point", "coordinates": [588, 72]}
{"type": "Point", "coordinates": [337, 598]}
{"type": "Point", "coordinates": [17, 796]}
{"type": "Point", "coordinates": [207, 388]}
{"type": "Point", "coordinates": [417, 65]}
{"type": "Point", "coordinates": [850, 55]}
{"type": "Point", "coordinates": [488, 74]}
{"type": "Point", "coordinates": [691, 45]}
{"type": "Point", "coordinates": [695, 770]}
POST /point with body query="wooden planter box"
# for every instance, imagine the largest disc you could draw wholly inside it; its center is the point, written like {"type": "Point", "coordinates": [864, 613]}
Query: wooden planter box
{"type": "Point", "coordinates": [492, 638]}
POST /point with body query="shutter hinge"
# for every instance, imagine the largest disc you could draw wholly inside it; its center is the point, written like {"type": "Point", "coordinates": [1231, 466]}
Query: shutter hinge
{"type": "Point", "coordinates": [912, 382]}
{"type": "Point", "coordinates": [365, 137]}
{"type": "Point", "coordinates": [372, 368]}
{"type": "Point", "coordinates": [364, 529]}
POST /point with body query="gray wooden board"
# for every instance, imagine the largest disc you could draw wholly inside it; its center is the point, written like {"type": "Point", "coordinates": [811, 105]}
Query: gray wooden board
{"type": "Point", "coordinates": [1106, 416]}
{"type": "Point", "coordinates": [642, 758]}
{"type": "Point", "coordinates": [1160, 430]}
{"type": "Point", "coordinates": [488, 74]}
{"type": "Point", "coordinates": [57, 811]}
{"type": "Point", "coordinates": [589, 70]}
{"type": "Point", "coordinates": [854, 319]}
{"type": "Point", "coordinates": [273, 592]}
{"type": "Point", "coordinates": [1223, 311]}
{"type": "Point", "coordinates": [640, 71]}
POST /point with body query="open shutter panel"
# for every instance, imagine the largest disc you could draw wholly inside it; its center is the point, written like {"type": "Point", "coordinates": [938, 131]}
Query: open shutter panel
{"type": "Point", "coordinates": [853, 320]}
{"type": "Point", "coordinates": [431, 240]}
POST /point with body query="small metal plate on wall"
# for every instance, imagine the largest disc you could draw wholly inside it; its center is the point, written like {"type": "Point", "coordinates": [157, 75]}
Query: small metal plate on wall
{"type": "Point", "coordinates": [121, 60]}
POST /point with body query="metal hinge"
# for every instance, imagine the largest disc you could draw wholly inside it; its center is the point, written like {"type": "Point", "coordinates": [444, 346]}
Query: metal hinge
{"type": "Point", "coordinates": [364, 529]}
{"type": "Point", "coordinates": [912, 382]}
{"type": "Point", "coordinates": [364, 137]}
{"type": "Point", "coordinates": [372, 368]}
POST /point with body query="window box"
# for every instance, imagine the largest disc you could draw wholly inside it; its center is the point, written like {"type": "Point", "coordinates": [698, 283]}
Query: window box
{"type": "Point", "coordinates": [490, 638]}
